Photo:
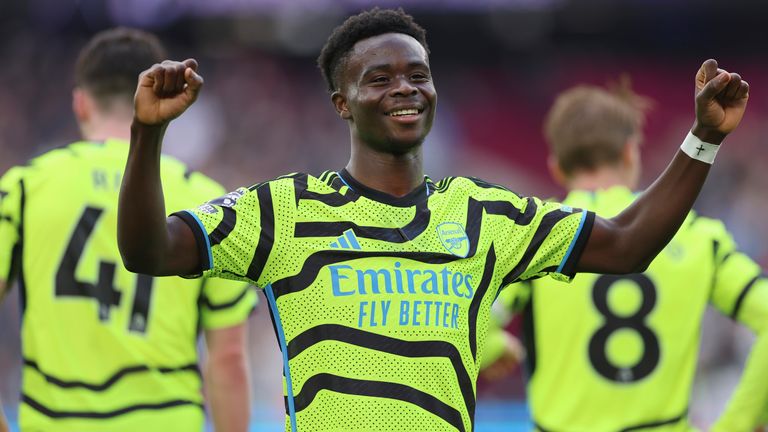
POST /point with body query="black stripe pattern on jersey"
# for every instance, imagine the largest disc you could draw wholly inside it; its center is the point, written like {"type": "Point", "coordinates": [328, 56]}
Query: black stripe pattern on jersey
{"type": "Point", "coordinates": [142, 299]}
{"type": "Point", "coordinates": [299, 186]}
{"type": "Point", "coordinates": [542, 231]}
{"type": "Point", "coordinates": [743, 295]}
{"type": "Point", "coordinates": [4, 217]}
{"type": "Point", "coordinates": [333, 199]}
{"type": "Point", "coordinates": [444, 184]}
{"type": "Point", "coordinates": [658, 423]}
{"type": "Point", "coordinates": [486, 185]}
{"type": "Point", "coordinates": [649, 425]}
{"type": "Point", "coordinates": [255, 186]}
{"type": "Point", "coordinates": [482, 290]}
{"type": "Point", "coordinates": [335, 182]}
{"type": "Point", "coordinates": [529, 334]}
{"type": "Point", "coordinates": [267, 234]}
{"type": "Point", "coordinates": [388, 390]}
{"type": "Point", "coordinates": [375, 341]}
{"type": "Point", "coordinates": [505, 208]}
{"type": "Point", "coordinates": [410, 231]}
{"type": "Point", "coordinates": [112, 380]}
{"type": "Point", "coordinates": [18, 253]}
{"type": "Point", "coordinates": [49, 412]}
{"type": "Point", "coordinates": [320, 259]}
{"type": "Point", "coordinates": [225, 226]}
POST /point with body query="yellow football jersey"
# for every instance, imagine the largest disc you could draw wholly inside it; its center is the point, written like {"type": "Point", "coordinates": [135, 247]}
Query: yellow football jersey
{"type": "Point", "coordinates": [380, 303]}
{"type": "Point", "coordinates": [104, 349]}
{"type": "Point", "coordinates": [612, 353]}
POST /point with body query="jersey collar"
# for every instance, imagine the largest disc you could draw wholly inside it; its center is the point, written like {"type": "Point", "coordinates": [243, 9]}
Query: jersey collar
{"type": "Point", "coordinates": [416, 196]}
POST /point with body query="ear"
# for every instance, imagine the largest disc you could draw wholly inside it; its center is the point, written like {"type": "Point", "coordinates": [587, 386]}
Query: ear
{"type": "Point", "coordinates": [631, 161]}
{"type": "Point", "coordinates": [82, 105]}
{"type": "Point", "coordinates": [556, 171]}
{"type": "Point", "coordinates": [630, 154]}
{"type": "Point", "coordinates": [340, 103]}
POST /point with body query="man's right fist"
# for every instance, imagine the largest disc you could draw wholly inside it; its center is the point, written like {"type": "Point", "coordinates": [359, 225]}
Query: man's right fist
{"type": "Point", "coordinates": [721, 98]}
{"type": "Point", "coordinates": [165, 91]}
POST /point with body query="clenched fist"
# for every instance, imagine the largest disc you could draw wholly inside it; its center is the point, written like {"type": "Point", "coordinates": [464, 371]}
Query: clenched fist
{"type": "Point", "coordinates": [165, 91]}
{"type": "Point", "coordinates": [721, 98]}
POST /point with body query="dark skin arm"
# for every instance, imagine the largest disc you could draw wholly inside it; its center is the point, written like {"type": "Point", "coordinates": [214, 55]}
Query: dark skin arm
{"type": "Point", "coordinates": [149, 242]}
{"type": "Point", "coordinates": [628, 242]}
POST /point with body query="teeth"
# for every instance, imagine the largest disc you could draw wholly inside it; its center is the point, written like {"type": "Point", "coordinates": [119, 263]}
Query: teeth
{"type": "Point", "coordinates": [410, 111]}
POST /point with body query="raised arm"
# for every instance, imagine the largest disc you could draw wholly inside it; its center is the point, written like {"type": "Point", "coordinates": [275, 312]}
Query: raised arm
{"type": "Point", "coordinates": [628, 242]}
{"type": "Point", "coordinates": [149, 242]}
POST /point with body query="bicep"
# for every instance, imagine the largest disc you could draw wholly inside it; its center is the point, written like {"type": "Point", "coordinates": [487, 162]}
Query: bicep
{"type": "Point", "coordinates": [183, 253]}
{"type": "Point", "coordinates": [603, 252]}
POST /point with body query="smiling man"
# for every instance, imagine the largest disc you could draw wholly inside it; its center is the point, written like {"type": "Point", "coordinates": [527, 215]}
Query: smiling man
{"type": "Point", "coordinates": [379, 280]}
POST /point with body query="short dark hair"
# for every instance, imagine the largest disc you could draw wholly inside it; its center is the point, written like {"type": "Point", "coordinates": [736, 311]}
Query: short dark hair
{"type": "Point", "coordinates": [364, 25]}
{"type": "Point", "coordinates": [109, 65]}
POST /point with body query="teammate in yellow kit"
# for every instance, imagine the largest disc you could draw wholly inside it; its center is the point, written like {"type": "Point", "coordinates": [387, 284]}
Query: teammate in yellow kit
{"type": "Point", "coordinates": [609, 353]}
{"type": "Point", "coordinates": [105, 349]}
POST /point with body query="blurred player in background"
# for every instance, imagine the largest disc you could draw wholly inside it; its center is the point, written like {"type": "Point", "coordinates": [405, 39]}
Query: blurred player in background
{"type": "Point", "coordinates": [380, 281]}
{"type": "Point", "coordinates": [3, 422]}
{"type": "Point", "coordinates": [609, 353]}
{"type": "Point", "coordinates": [105, 349]}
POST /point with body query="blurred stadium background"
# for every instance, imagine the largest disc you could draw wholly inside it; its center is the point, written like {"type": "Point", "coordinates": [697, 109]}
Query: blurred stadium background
{"type": "Point", "coordinates": [497, 66]}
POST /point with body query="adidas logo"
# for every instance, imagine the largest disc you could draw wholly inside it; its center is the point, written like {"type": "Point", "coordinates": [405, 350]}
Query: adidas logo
{"type": "Point", "coordinates": [347, 241]}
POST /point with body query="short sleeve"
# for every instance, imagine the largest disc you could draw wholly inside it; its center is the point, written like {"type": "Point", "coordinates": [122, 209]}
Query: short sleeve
{"type": "Point", "coordinates": [226, 303]}
{"type": "Point", "coordinates": [11, 199]}
{"type": "Point", "coordinates": [545, 239]}
{"type": "Point", "coordinates": [739, 288]}
{"type": "Point", "coordinates": [235, 233]}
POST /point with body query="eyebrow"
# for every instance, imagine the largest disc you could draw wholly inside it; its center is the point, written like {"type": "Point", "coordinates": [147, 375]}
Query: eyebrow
{"type": "Point", "coordinates": [386, 66]}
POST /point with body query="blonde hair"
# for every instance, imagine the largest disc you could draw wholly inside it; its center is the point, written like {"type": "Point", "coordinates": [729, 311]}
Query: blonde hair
{"type": "Point", "coordinates": [588, 126]}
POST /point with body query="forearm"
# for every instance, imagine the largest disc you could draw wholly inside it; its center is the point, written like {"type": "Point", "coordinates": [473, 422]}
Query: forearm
{"type": "Point", "coordinates": [227, 391]}
{"type": "Point", "coordinates": [495, 344]}
{"type": "Point", "coordinates": [628, 242]}
{"type": "Point", "coordinates": [663, 206]}
{"type": "Point", "coordinates": [142, 232]}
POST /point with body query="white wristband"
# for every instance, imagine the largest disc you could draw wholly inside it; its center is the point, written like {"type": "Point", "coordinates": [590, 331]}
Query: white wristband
{"type": "Point", "coordinates": [698, 149]}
